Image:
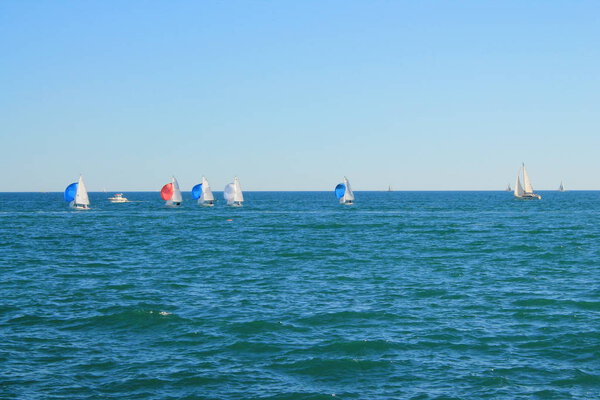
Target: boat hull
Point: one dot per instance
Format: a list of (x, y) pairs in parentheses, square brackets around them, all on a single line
[(80, 207), (529, 197)]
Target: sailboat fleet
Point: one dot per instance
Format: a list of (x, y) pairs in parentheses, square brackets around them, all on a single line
[(77, 196)]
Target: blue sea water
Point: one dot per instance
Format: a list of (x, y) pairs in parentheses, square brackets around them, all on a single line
[(405, 295)]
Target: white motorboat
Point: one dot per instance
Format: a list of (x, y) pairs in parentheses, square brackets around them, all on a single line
[(118, 198)]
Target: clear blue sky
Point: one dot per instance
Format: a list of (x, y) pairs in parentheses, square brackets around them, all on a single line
[(293, 95)]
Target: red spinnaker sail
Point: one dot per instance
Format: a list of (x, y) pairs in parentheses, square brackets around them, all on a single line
[(167, 191)]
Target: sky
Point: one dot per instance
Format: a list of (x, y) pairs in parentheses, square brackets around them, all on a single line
[(295, 95)]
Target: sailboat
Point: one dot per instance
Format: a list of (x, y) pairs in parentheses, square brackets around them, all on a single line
[(525, 191), (233, 193), (171, 193), (343, 192), (389, 188), (203, 194), (77, 196), (508, 188), (561, 188)]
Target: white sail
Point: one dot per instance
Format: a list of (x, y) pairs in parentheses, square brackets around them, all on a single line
[(526, 182), (238, 196), (81, 196), (228, 193), (176, 198), (233, 193), (207, 194), (348, 194), (518, 188)]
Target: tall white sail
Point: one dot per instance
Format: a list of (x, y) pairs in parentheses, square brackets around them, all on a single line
[(238, 196), (81, 196), (176, 198), (348, 195), (518, 188), (526, 182), (233, 193), (228, 193), (207, 194)]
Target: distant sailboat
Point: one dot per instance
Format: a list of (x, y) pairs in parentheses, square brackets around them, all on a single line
[(389, 188), (525, 191), (77, 196), (233, 193), (561, 188), (171, 193), (344, 193), (203, 194)]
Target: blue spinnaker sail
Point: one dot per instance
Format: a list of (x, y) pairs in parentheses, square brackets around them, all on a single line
[(70, 192), (197, 191), (340, 190)]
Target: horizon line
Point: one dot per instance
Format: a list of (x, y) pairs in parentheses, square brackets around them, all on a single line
[(319, 191)]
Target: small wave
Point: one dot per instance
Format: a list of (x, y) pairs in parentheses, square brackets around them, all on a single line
[(579, 378), (307, 396), (129, 319), (355, 347), (346, 317), (258, 326), (541, 302), (536, 302), (253, 347), (338, 367)]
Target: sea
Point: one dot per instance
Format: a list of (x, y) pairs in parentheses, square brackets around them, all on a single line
[(403, 295)]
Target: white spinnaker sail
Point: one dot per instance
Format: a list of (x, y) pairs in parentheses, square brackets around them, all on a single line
[(518, 187), (348, 194), (228, 193), (526, 182), (238, 196), (207, 194), (176, 198), (81, 196)]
